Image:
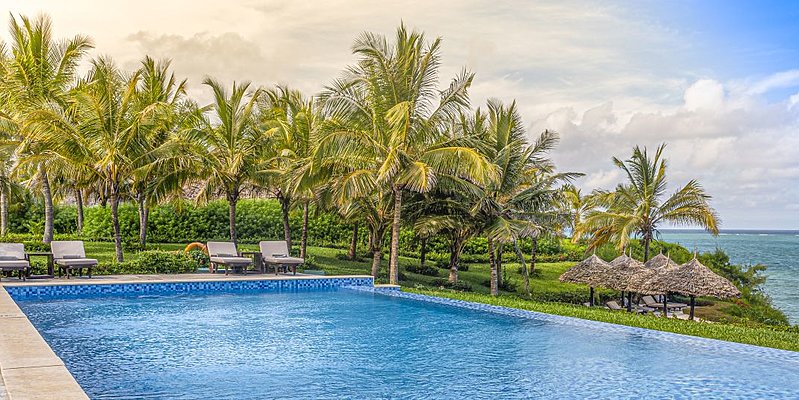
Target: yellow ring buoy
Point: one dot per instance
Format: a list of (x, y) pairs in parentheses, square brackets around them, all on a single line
[(196, 246)]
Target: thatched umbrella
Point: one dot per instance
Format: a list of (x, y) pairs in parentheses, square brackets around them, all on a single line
[(588, 272), (660, 261), (620, 277), (691, 279)]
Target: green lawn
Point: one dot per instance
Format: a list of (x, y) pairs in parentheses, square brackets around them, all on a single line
[(548, 295)]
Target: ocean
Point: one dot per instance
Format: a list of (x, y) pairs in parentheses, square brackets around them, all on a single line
[(778, 250)]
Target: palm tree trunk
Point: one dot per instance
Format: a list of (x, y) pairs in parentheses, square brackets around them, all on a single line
[(48, 205), (304, 237), (285, 204), (115, 222), (3, 211), (423, 252), (376, 256), (647, 240), (454, 256), (533, 255), (376, 246), (498, 261), (142, 219), (232, 199), (353, 252), (79, 202), (393, 270), (524, 267), (493, 265)]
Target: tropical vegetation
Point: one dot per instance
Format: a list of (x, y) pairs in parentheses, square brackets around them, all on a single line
[(382, 159)]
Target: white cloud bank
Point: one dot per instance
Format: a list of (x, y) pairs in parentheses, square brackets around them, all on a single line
[(606, 76), (744, 149)]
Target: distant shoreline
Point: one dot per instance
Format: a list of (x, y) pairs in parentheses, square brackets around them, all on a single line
[(737, 231)]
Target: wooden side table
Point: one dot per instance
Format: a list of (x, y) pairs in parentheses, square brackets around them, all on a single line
[(257, 262), (50, 265)]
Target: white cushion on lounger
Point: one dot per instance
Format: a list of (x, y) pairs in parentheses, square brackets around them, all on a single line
[(15, 250), (76, 262), (14, 264), (270, 248), (232, 260), (68, 249), (224, 249), (283, 260)]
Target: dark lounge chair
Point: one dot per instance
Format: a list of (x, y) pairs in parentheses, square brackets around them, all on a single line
[(13, 258), (650, 301)]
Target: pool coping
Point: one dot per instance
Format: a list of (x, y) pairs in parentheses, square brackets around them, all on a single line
[(32, 370)]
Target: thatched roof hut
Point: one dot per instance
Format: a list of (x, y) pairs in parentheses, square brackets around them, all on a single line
[(588, 272), (623, 269), (660, 261), (690, 279)]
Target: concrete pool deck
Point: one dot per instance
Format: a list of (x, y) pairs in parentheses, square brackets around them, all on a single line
[(29, 369)]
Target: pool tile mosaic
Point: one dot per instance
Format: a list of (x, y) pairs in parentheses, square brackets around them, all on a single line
[(164, 288)]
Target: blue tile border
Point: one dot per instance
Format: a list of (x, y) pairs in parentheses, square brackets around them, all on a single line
[(46, 292), (771, 354)]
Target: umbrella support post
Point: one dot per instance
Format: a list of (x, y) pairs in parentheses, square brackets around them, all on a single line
[(629, 301), (591, 296), (693, 304), (666, 305)]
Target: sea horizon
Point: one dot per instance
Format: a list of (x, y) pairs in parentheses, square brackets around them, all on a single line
[(734, 231)]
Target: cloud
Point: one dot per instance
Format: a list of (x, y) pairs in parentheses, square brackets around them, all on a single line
[(744, 149), (606, 75)]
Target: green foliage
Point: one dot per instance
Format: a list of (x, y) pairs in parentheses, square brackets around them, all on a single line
[(202, 259), (427, 270), (154, 262), (459, 286)]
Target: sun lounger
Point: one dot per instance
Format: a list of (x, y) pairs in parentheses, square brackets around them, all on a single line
[(649, 301), (226, 255), (614, 305), (276, 253), (69, 255), (13, 258)]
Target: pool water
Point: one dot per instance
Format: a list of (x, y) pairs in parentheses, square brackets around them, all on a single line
[(352, 344)]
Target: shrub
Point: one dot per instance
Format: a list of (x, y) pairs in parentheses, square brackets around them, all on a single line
[(154, 262), (427, 270), (202, 259), (459, 286)]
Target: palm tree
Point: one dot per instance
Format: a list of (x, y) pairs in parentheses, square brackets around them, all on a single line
[(637, 206), (98, 133), (159, 100), (394, 116), (294, 121), (576, 205), (38, 74), (229, 152), (7, 185), (516, 205)]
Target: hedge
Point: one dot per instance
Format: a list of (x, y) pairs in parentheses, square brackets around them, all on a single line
[(256, 220)]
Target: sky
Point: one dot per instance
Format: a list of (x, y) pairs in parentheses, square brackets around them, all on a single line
[(718, 81)]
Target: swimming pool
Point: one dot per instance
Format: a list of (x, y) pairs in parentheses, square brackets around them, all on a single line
[(346, 343)]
